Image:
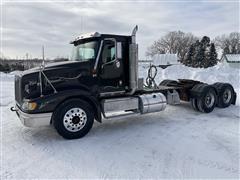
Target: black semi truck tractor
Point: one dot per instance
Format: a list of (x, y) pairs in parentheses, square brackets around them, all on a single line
[(101, 81)]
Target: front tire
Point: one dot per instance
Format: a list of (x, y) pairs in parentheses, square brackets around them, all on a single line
[(73, 119)]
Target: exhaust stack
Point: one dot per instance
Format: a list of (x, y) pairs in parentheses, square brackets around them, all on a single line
[(133, 63), (134, 34)]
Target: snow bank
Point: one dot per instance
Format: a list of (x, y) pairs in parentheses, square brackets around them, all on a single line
[(6, 89), (6, 76), (15, 72)]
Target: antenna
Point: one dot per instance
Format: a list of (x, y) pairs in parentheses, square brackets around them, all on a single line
[(43, 60), (81, 25)]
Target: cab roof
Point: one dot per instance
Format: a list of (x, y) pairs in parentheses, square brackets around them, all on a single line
[(94, 35)]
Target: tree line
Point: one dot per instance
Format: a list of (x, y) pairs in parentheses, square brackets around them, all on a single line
[(8, 65), (193, 51)]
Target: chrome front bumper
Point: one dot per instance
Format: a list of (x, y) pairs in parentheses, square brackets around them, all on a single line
[(33, 120)]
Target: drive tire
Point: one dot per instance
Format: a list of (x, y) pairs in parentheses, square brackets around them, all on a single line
[(207, 100), (225, 94), (194, 104), (73, 119)]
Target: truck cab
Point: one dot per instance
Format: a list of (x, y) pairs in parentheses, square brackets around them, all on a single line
[(108, 60)]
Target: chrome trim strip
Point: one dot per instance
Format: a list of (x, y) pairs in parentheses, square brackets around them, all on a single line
[(104, 94)]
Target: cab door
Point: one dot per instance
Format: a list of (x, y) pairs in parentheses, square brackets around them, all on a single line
[(111, 66)]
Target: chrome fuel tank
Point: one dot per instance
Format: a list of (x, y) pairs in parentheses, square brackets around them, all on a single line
[(152, 102)]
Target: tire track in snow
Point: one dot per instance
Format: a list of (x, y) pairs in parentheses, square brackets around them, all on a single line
[(43, 137), (214, 165), (223, 144)]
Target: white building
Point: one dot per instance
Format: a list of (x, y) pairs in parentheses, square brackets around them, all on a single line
[(165, 60), (233, 60)]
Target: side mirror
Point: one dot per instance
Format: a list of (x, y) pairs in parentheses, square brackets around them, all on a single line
[(119, 50)]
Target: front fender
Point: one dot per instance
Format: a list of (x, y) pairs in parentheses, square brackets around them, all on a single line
[(49, 103)]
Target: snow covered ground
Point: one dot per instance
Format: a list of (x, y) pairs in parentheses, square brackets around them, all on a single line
[(176, 143)]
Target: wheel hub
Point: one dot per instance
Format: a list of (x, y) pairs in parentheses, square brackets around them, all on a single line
[(74, 119), (209, 100), (227, 96)]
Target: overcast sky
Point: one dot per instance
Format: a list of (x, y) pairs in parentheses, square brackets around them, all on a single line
[(26, 26)]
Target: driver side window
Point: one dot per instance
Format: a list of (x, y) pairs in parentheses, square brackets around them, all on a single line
[(109, 51)]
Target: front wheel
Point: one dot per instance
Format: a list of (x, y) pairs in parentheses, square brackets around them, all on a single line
[(73, 119)]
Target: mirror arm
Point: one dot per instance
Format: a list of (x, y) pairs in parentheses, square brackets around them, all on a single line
[(110, 62)]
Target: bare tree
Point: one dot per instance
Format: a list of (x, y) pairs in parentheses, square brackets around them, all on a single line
[(175, 42), (229, 43)]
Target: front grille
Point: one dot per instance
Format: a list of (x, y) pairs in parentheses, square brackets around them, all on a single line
[(18, 89)]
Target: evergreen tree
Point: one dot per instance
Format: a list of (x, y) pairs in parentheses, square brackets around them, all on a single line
[(212, 56), (1, 68), (226, 50), (195, 59), (7, 68), (205, 63), (202, 53), (199, 54), (188, 61), (205, 40), (205, 50)]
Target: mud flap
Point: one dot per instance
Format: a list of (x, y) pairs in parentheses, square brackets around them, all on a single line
[(234, 98)]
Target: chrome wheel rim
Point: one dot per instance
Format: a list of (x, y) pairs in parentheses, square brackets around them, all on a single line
[(209, 100), (75, 119), (227, 95)]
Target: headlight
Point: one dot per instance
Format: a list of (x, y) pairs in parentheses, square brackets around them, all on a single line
[(29, 105)]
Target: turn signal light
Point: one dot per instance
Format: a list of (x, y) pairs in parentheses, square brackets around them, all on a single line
[(29, 106), (32, 106)]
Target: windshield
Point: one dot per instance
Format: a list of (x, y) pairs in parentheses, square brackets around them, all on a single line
[(84, 51)]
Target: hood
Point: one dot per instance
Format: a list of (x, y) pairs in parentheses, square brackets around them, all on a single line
[(60, 69), (61, 75), (52, 66)]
